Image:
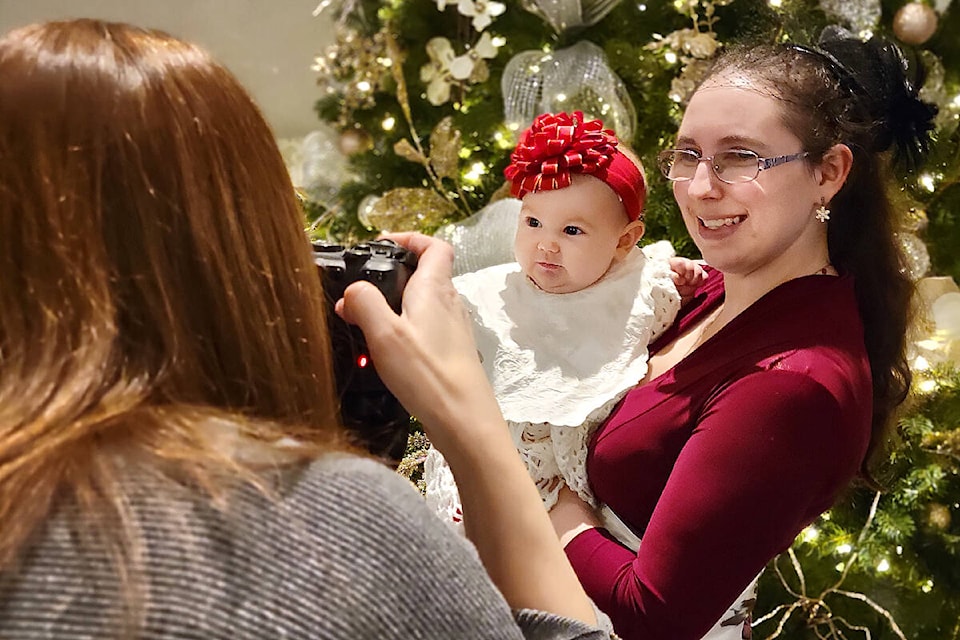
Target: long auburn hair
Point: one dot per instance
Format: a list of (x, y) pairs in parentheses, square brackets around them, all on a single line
[(156, 277), (858, 93)]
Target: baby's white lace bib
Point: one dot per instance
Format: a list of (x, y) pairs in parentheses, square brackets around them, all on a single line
[(559, 362)]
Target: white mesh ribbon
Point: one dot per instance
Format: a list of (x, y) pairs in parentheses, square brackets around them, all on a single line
[(485, 238), (570, 14), (577, 78)]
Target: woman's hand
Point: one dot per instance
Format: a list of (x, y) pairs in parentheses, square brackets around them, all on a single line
[(571, 515), (427, 355)]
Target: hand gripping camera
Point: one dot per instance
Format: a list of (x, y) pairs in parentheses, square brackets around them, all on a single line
[(366, 405)]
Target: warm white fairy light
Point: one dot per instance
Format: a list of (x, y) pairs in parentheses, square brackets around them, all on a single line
[(840, 567), (670, 57), (363, 86), (503, 141), (927, 386), (920, 363), (899, 550), (385, 61), (927, 586), (809, 534), (641, 7), (776, 4), (927, 182), (561, 97), (477, 171), (883, 566), (388, 123), (844, 549), (498, 41)]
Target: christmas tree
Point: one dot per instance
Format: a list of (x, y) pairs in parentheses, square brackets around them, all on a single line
[(423, 103)]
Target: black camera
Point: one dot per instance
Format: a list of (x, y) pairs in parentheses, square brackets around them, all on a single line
[(367, 407)]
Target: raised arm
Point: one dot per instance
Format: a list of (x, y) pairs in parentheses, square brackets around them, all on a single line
[(428, 359)]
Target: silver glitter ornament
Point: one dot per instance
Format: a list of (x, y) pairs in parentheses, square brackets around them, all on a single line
[(861, 16)]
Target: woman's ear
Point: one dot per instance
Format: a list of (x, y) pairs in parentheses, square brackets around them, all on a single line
[(833, 170), (629, 238)]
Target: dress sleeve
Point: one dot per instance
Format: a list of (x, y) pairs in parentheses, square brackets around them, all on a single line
[(770, 452)]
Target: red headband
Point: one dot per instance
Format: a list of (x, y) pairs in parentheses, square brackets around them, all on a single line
[(559, 145)]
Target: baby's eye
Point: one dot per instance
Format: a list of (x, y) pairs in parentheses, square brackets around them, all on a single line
[(571, 230), (531, 222)]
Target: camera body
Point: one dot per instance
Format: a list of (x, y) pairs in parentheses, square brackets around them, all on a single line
[(367, 408)]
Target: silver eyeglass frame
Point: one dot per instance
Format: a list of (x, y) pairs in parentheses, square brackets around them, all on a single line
[(665, 157)]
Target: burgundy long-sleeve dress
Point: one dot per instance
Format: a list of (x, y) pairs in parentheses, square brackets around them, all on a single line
[(721, 461)]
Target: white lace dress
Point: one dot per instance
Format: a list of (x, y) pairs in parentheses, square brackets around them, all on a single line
[(558, 363)]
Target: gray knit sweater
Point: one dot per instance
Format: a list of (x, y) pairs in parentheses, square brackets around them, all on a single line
[(347, 549)]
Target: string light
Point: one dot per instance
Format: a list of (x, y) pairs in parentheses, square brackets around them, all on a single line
[(503, 141), (388, 123), (477, 171), (809, 534)]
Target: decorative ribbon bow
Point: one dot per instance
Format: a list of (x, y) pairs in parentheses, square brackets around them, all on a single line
[(557, 145)]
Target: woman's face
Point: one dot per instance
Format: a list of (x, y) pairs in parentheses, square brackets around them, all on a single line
[(767, 226)]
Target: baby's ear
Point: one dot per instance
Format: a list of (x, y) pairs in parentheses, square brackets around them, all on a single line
[(629, 238)]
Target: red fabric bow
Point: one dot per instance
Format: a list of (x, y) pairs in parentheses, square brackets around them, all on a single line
[(557, 145)]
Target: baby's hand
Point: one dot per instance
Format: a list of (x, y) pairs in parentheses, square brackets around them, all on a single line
[(688, 276)]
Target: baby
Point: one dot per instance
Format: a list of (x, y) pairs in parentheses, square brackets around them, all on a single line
[(563, 331)]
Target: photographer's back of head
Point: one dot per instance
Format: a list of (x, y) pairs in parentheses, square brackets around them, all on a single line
[(155, 273)]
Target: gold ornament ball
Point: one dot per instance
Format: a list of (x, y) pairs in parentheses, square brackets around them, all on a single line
[(354, 141), (938, 516), (914, 23)]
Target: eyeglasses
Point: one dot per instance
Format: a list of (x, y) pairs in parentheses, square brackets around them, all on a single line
[(731, 167)]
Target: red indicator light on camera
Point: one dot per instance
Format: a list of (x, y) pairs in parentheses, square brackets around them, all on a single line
[(363, 360)]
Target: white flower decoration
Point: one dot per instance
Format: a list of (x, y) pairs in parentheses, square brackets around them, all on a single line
[(446, 69), (482, 11), (463, 67), (436, 74)]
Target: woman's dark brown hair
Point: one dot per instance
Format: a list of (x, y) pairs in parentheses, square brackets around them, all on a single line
[(859, 94), (155, 280)]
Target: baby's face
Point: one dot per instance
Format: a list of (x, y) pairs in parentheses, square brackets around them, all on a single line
[(567, 238)]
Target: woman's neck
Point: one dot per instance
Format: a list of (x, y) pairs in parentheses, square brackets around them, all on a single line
[(742, 290)]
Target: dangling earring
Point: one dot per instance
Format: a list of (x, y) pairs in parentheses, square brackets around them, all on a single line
[(823, 214)]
